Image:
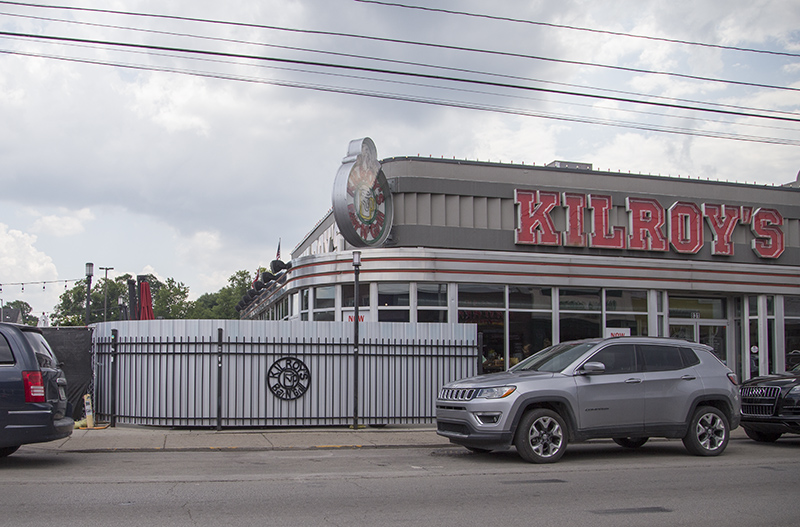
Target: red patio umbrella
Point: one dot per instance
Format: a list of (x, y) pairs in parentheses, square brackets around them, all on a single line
[(145, 302)]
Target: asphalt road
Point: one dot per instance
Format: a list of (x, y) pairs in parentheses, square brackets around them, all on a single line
[(598, 484)]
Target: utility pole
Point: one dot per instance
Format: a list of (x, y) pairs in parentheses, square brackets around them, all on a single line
[(105, 292)]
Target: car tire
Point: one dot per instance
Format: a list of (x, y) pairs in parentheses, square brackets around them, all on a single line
[(762, 437), (708, 432), (475, 450), (8, 450), (541, 436), (631, 442)]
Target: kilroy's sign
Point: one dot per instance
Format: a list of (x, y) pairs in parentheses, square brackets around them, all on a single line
[(362, 199), (647, 220)]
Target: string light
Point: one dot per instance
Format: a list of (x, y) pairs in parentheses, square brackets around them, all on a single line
[(42, 282)]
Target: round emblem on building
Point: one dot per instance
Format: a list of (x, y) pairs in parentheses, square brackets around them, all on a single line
[(288, 379), (362, 199)]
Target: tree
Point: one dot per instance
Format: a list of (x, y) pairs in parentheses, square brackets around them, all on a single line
[(170, 300), (24, 308), (222, 304)]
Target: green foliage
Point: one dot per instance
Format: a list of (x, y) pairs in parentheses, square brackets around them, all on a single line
[(170, 300), (24, 308)]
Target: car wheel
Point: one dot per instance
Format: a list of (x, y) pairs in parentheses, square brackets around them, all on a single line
[(631, 442), (8, 450), (541, 436), (708, 432), (762, 437)]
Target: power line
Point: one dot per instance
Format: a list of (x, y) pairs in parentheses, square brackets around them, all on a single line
[(390, 72), (577, 28), (410, 42), (395, 61), (438, 102)]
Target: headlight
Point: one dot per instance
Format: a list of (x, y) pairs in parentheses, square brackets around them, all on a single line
[(495, 393), (795, 390)]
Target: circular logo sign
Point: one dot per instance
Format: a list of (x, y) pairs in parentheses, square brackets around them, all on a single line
[(362, 200), (288, 379)]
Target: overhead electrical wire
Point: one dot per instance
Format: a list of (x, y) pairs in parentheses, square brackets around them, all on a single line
[(577, 28), (392, 61), (388, 72), (435, 102), (406, 42)]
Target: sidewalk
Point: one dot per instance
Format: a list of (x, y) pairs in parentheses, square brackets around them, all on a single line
[(127, 438), (146, 438)]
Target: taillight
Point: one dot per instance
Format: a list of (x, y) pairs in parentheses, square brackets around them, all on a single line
[(732, 378), (34, 386)]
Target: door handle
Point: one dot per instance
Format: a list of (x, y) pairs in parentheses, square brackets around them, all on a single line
[(633, 381), (688, 378)]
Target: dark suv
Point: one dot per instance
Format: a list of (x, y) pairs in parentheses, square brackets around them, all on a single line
[(771, 406), (33, 401), (625, 388)]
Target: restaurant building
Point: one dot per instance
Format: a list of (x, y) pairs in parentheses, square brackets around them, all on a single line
[(535, 255)]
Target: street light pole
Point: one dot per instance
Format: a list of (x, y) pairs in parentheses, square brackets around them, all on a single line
[(89, 273), (105, 291), (356, 270)]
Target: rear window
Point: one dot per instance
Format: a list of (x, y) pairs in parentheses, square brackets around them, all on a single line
[(6, 357), (44, 355), (690, 358)]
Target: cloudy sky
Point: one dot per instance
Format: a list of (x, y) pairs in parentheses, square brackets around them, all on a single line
[(185, 138)]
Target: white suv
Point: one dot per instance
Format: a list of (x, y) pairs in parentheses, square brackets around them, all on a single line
[(626, 388)]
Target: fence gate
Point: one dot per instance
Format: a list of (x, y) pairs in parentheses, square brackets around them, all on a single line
[(229, 373)]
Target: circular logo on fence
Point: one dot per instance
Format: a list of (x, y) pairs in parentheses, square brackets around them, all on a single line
[(288, 379)]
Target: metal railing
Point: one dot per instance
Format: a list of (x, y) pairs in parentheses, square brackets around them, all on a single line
[(267, 373)]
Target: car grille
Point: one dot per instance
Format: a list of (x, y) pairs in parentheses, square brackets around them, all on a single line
[(457, 394), (759, 400)]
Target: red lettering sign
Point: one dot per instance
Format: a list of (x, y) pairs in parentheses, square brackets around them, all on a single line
[(769, 241), (686, 227), (603, 235), (576, 205), (535, 224), (722, 219), (646, 218)]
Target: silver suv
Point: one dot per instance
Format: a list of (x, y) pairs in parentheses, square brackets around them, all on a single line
[(625, 388)]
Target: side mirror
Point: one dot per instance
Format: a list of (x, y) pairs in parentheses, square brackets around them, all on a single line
[(592, 367)]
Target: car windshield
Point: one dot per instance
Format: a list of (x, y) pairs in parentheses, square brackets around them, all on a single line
[(555, 358), (796, 368)]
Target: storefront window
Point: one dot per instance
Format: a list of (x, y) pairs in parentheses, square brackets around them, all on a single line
[(324, 297), (492, 332), (636, 323), (393, 315), (626, 300), (393, 295), (791, 306), (348, 294), (686, 307), (481, 295), (575, 326), (432, 315), (579, 300), (523, 297), (304, 300), (528, 332), (431, 295), (324, 316)]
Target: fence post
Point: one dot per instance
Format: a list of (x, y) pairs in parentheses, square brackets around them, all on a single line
[(219, 379), (113, 402)]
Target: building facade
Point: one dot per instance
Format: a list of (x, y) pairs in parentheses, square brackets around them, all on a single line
[(536, 255)]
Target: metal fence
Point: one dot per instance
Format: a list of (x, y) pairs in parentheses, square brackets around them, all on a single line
[(275, 373)]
